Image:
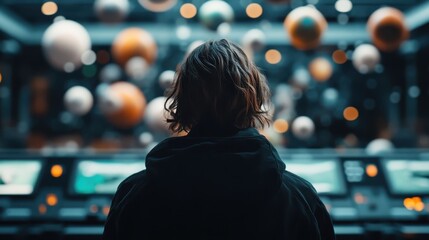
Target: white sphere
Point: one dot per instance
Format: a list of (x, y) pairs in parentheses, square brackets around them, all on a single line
[(378, 146), (111, 11), (215, 12), (155, 115), (64, 42), (166, 79), (254, 39), (108, 100), (137, 68), (158, 5), (146, 138), (303, 127), (78, 100), (283, 98), (110, 73), (365, 58)]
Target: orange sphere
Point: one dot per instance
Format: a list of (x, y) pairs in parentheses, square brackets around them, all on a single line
[(134, 42), (123, 103), (305, 26), (387, 28), (320, 69)]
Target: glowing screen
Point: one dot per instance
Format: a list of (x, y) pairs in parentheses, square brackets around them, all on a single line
[(19, 177), (324, 175), (407, 176), (103, 176)]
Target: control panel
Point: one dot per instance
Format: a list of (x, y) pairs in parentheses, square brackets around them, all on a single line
[(68, 197)]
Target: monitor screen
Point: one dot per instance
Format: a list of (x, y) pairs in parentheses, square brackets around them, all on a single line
[(407, 176), (103, 176), (325, 175), (19, 177)]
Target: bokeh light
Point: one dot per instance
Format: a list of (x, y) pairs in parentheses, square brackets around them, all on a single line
[(350, 113), (273, 56), (339, 56), (320, 69), (371, 170), (343, 6), (254, 10), (51, 199), (281, 125), (49, 8), (56, 171), (188, 10)]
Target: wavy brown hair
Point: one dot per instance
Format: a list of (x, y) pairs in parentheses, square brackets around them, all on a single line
[(218, 82)]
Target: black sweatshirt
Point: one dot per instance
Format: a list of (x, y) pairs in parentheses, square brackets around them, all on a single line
[(216, 186)]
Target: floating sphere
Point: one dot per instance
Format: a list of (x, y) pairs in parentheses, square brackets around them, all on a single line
[(78, 100), (166, 79), (123, 104), (365, 58), (146, 138), (378, 146), (137, 68), (387, 28), (158, 5), (303, 127), (63, 44), (301, 77), (305, 27), (156, 116), (283, 98), (111, 11), (320, 69), (215, 12), (134, 42), (254, 39), (110, 73), (330, 97)]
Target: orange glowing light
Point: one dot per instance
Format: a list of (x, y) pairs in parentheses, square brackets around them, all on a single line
[(188, 10), (360, 198), (419, 206), (339, 57), (320, 69), (56, 171), (42, 209), (49, 8), (93, 208), (409, 203), (371, 170), (273, 56), (106, 210), (281, 126), (1, 77), (350, 113), (254, 10), (51, 199)]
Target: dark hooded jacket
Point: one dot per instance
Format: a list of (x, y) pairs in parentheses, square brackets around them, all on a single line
[(214, 185)]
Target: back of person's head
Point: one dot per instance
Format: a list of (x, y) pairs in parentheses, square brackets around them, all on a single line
[(219, 84)]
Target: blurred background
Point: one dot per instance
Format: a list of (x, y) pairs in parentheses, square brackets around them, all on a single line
[(339, 78), (82, 93)]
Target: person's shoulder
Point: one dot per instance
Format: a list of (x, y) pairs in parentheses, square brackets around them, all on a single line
[(127, 186), (129, 182), (303, 186)]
